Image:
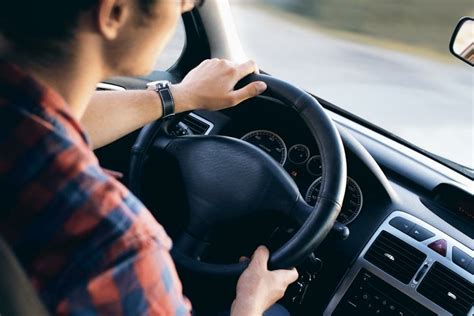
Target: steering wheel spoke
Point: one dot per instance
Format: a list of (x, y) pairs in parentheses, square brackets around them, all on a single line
[(301, 211), (190, 245), (192, 241)]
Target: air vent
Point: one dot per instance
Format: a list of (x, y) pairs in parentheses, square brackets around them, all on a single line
[(447, 289), (395, 257), (197, 124)]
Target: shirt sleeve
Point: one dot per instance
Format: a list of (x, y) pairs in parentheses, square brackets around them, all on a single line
[(142, 281), (126, 266)]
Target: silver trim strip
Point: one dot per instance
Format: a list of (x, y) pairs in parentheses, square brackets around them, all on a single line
[(409, 289), (200, 118), (110, 87)]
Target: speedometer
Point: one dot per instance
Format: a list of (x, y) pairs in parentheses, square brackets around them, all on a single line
[(352, 200), (269, 142)]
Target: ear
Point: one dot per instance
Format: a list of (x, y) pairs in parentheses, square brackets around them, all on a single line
[(111, 16), (188, 5)]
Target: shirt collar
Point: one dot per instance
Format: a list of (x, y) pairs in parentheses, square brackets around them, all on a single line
[(19, 87)]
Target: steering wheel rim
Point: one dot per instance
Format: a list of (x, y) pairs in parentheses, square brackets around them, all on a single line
[(316, 221)]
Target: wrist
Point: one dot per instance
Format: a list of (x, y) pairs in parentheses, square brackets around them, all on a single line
[(182, 100), (163, 89), (242, 307)]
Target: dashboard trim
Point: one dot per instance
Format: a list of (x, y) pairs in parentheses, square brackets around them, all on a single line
[(203, 120), (409, 289), (371, 140)]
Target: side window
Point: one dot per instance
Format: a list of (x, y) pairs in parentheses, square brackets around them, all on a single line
[(173, 50)]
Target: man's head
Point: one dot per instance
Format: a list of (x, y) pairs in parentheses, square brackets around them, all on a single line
[(128, 35)]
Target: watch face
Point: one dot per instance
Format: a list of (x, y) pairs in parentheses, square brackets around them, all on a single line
[(154, 85)]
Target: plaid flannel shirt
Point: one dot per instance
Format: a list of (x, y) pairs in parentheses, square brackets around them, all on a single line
[(87, 244)]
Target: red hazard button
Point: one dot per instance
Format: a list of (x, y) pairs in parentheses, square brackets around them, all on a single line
[(440, 246)]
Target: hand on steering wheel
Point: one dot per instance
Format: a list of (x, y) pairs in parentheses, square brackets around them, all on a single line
[(258, 288), (226, 178), (210, 86)]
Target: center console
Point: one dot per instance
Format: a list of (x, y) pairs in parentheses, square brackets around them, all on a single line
[(408, 268)]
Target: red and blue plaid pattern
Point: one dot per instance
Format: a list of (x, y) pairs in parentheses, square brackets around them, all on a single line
[(88, 245)]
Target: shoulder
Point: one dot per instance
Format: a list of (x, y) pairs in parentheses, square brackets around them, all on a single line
[(57, 195), (40, 156)]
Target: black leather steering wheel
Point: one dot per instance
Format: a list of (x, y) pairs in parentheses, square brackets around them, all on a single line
[(244, 180)]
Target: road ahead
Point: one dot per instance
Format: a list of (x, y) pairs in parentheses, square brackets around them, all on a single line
[(425, 101)]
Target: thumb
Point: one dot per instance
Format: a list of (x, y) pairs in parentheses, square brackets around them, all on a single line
[(287, 276), (249, 91), (260, 257)]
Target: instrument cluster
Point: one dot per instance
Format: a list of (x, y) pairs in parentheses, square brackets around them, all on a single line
[(305, 167)]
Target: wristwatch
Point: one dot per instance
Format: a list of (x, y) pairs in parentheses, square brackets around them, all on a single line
[(162, 88)]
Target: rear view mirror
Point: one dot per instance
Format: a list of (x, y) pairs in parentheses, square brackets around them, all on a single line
[(462, 42)]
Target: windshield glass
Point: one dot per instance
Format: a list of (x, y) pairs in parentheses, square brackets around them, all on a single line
[(383, 60)]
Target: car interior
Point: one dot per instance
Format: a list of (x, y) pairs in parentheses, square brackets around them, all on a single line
[(374, 225)]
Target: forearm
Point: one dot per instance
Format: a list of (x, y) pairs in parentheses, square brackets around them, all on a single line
[(113, 114)]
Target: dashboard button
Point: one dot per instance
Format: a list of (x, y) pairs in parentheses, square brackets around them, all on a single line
[(402, 224), (440, 246), (471, 267), (420, 233), (461, 258)]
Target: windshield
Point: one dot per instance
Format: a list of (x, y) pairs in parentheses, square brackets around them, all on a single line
[(383, 60)]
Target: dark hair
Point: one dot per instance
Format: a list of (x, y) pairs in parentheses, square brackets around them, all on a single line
[(39, 28)]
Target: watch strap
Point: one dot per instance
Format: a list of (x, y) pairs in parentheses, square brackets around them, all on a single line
[(167, 100), (162, 88)]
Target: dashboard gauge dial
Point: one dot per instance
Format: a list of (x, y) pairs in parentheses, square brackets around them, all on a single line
[(351, 206), (314, 166), (269, 142), (298, 154)]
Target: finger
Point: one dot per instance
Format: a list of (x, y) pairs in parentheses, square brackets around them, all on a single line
[(247, 68), (244, 259), (260, 257), (287, 276), (249, 91)]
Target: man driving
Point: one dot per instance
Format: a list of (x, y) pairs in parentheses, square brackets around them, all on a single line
[(87, 244)]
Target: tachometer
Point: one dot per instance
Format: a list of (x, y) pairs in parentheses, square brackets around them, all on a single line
[(352, 199), (269, 142)]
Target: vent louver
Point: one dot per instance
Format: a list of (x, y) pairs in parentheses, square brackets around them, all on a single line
[(395, 257), (447, 289), (196, 125)]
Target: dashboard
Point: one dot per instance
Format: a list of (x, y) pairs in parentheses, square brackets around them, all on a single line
[(410, 249), (407, 269), (384, 268)]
